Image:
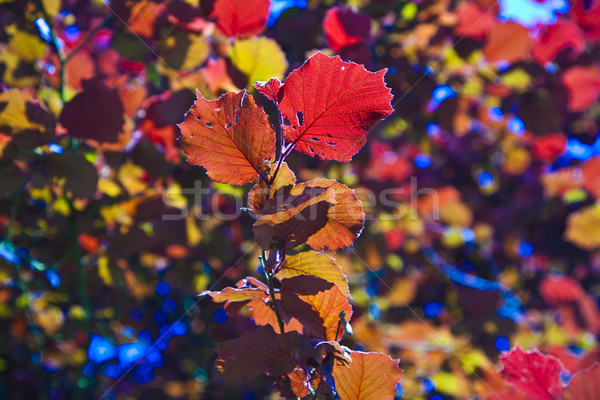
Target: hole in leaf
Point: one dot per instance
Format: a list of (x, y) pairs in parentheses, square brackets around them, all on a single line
[(228, 125), (300, 117), (198, 117), (218, 109), (228, 115), (329, 135), (287, 122), (330, 143), (236, 118), (312, 151), (315, 139), (209, 124)]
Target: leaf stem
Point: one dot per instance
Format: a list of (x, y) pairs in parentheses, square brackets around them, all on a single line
[(272, 292)]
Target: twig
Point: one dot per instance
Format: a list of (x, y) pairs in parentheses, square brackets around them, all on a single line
[(272, 292)]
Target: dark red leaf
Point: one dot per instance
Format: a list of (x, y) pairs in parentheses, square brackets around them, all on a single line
[(557, 37), (345, 27), (329, 106), (96, 113), (262, 351)]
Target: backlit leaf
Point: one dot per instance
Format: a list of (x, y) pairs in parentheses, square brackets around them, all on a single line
[(241, 18), (583, 227), (269, 89), (317, 304), (231, 137), (585, 385), (583, 86), (263, 314), (258, 58), (262, 351), (533, 373), (230, 294), (315, 264), (345, 219), (329, 106), (370, 376), (292, 215), (345, 27), (261, 191)]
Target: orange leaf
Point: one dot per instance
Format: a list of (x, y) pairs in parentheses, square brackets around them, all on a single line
[(345, 219), (294, 214), (231, 294), (583, 85), (585, 385), (231, 137), (262, 351), (317, 304), (262, 314), (261, 192), (315, 264), (508, 41), (370, 376)]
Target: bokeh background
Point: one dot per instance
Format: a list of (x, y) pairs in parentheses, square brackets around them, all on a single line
[(495, 111)]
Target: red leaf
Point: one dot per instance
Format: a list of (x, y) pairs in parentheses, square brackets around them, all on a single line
[(231, 137), (317, 304), (561, 289), (557, 37), (473, 20), (269, 89), (586, 15), (585, 385), (262, 351), (345, 27), (590, 171), (370, 376), (96, 113), (533, 373), (241, 18), (548, 147), (329, 106), (583, 85)]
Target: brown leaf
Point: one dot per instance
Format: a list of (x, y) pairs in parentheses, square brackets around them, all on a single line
[(262, 351)]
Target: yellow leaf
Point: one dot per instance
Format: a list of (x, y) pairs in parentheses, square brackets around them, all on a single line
[(14, 115), (317, 264), (130, 176), (29, 47), (52, 7), (583, 227), (196, 53), (109, 187), (259, 58), (104, 271)]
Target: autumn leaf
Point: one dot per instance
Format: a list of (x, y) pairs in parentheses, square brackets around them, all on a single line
[(370, 376), (262, 351), (96, 113), (555, 38), (230, 294), (230, 137), (508, 42), (317, 304), (533, 373), (315, 264), (329, 106), (583, 86), (261, 191), (270, 89), (345, 27), (292, 215), (583, 227), (585, 385), (241, 18), (262, 314), (345, 219), (259, 58)]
